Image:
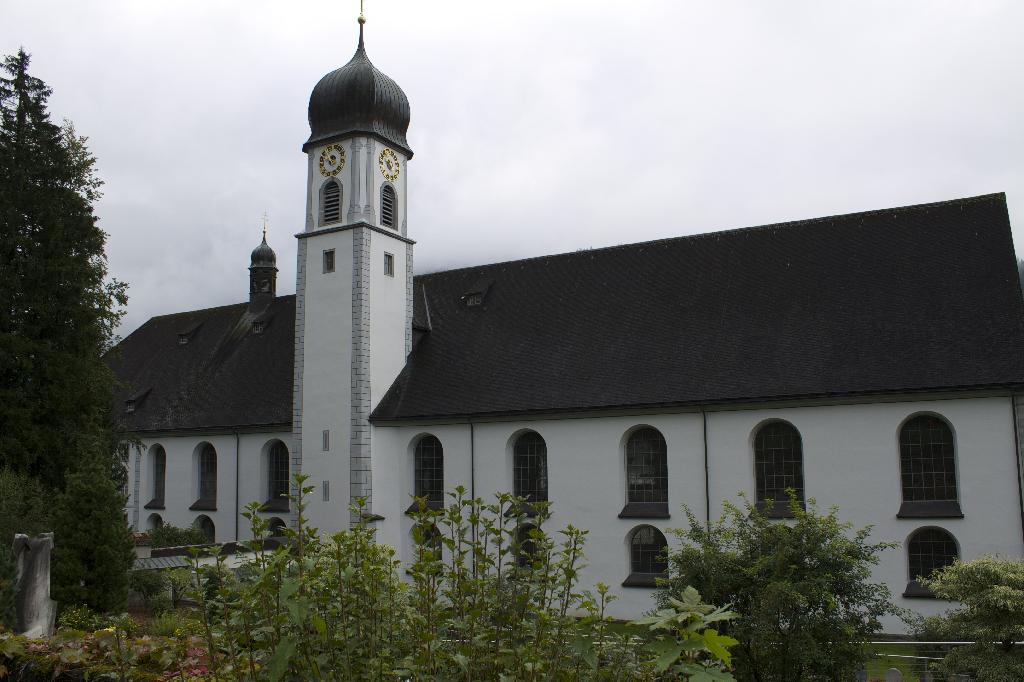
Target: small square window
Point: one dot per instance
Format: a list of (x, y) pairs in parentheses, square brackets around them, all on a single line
[(327, 440), (258, 326), (389, 265), (474, 299), (182, 339), (129, 406), (329, 260)]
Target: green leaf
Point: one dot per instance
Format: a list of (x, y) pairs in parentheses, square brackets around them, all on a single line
[(718, 645), (667, 652), (278, 664)]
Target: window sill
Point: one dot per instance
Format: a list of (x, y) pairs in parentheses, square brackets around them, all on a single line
[(154, 504), (930, 509), (279, 505), (916, 590), (204, 505), (431, 505), (778, 509), (645, 510), (643, 579)]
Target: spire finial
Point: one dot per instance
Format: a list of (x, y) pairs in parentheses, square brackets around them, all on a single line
[(362, 20), (264, 225)]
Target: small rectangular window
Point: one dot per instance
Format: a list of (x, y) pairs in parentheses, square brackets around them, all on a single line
[(258, 326), (389, 265), (182, 339), (327, 491), (329, 260), (129, 406), (327, 440), (474, 299)]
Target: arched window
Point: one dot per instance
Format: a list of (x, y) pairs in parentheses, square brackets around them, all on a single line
[(928, 550), (646, 475), (330, 202), (928, 469), (647, 559), (206, 527), (207, 469), (530, 467), (154, 521), (158, 473), (277, 477), (275, 527), (387, 206), (778, 466), (429, 472)]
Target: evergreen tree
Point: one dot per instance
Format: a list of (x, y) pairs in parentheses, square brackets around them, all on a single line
[(57, 319), (93, 549), (57, 311)]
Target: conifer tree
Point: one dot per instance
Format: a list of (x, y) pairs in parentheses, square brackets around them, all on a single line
[(93, 550), (57, 311)]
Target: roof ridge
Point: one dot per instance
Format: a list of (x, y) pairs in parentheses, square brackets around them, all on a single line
[(211, 308), (729, 231)]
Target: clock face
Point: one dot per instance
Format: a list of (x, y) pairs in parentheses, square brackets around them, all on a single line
[(332, 160), (389, 167)]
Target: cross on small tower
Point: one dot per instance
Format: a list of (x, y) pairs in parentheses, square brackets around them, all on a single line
[(362, 18), (264, 225)]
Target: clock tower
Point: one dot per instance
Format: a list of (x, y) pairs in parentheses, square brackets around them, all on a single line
[(353, 282)]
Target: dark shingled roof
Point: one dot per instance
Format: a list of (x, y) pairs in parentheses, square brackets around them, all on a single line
[(906, 299), (225, 376)]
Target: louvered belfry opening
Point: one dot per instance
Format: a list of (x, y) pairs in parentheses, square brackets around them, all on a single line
[(387, 206), (330, 202)]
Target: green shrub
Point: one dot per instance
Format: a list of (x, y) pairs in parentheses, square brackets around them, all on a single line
[(172, 536), (483, 601), (802, 586), (80, 617), (154, 588), (173, 623), (991, 615)]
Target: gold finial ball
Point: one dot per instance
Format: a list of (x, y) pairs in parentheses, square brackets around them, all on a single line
[(362, 19)]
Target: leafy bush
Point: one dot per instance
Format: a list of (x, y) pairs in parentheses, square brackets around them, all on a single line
[(803, 588), (80, 617), (483, 601), (154, 588), (172, 536), (991, 591), (172, 623)]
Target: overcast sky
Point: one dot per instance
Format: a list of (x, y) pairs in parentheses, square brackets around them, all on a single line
[(538, 126)]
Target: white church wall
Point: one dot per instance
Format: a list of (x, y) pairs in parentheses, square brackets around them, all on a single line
[(181, 482), (851, 459)]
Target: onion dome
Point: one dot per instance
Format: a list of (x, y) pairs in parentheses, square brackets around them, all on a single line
[(358, 98), (263, 256)]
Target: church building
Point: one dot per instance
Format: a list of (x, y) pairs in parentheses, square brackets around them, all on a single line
[(872, 361)]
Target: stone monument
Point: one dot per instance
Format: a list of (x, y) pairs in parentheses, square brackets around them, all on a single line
[(34, 609)]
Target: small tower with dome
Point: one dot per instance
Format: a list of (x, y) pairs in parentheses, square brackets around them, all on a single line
[(262, 274), (353, 289)]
